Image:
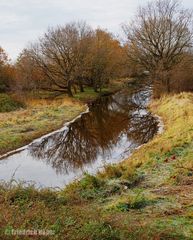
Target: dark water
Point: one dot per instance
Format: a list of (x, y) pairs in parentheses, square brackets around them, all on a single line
[(114, 126)]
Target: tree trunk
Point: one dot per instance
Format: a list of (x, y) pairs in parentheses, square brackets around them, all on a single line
[(69, 87), (75, 89), (81, 87), (168, 84), (96, 89)]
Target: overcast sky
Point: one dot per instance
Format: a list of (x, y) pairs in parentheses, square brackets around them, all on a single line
[(23, 21)]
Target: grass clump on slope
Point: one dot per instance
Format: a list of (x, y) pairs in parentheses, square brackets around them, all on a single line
[(8, 104)]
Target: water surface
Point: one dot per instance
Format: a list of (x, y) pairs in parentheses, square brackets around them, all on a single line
[(114, 126)]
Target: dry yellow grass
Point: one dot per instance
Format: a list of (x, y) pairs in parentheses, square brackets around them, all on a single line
[(176, 112), (39, 117), (149, 196)]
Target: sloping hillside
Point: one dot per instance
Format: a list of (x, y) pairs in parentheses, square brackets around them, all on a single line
[(149, 196)]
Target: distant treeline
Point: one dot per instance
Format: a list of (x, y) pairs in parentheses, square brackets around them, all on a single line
[(67, 58)]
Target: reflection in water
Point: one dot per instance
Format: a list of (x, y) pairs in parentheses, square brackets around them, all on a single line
[(114, 126), (97, 134)]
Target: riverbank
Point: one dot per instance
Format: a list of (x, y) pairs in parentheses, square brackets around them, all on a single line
[(39, 117), (40, 114), (147, 196)]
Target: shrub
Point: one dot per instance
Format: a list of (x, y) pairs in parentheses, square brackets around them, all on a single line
[(136, 201), (7, 104), (113, 171), (90, 182)]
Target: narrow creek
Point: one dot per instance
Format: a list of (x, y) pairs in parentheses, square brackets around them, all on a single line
[(114, 126)]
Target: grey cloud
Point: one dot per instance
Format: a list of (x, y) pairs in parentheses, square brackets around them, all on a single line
[(25, 20)]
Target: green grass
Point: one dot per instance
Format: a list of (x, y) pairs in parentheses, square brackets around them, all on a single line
[(22, 125), (89, 94), (148, 196), (7, 104)]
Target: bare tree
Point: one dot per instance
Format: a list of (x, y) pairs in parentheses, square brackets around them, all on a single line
[(77, 55), (159, 36), (58, 54)]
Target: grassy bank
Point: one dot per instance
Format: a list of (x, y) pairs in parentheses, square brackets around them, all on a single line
[(149, 196), (24, 118), (89, 94), (36, 119)]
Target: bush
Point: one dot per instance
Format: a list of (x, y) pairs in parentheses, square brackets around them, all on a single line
[(113, 171), (136, 201), (7, 104), (90, 182)]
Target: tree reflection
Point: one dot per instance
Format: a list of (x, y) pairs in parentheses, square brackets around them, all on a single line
[(97, 133)]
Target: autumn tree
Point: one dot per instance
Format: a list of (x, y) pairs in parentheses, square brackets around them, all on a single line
[(106, 58), (73, 55), (28, 74), (82, 69), (6, 71), (158, 38), (182, 74), (58, 54)]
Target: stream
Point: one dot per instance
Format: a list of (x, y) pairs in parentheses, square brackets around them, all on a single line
[(108, 133)]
